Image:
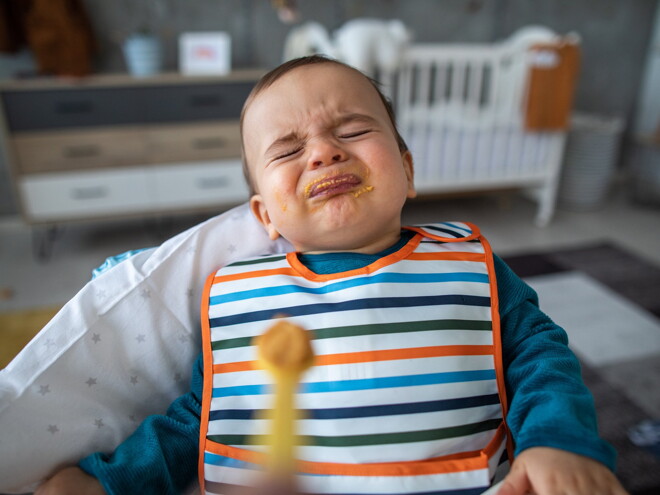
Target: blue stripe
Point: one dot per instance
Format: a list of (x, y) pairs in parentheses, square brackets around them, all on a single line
[(454, 226), (357, 304), (383, 278), (368, 411), (463, 491), (241, 390), (435, 228), (221, 460), (232, 414), (397, 409), (364, 383), (219, 488)]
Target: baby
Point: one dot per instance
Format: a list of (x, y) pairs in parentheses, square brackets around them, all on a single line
[(435, 368)]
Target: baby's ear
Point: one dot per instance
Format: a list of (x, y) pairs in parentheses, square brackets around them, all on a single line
[(410, 173), (259, 210)]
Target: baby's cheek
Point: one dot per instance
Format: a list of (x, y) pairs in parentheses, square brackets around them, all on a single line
[(281, 200)]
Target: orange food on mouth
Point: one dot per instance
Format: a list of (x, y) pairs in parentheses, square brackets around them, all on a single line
[(332, 185)]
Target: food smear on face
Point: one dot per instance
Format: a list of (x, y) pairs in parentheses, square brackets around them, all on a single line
[(328, 185), (281, 202), (362, 190)]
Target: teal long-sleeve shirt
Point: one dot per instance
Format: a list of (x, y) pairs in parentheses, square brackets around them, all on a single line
[(548, 403)]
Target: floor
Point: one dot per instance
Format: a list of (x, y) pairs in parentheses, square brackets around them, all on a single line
[(505, 218)]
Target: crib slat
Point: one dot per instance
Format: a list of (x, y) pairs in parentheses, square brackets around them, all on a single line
[(475, 88), (457, 83), (423, 85), (440, 84)]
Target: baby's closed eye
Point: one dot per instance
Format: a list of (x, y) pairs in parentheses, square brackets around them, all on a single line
[(352, 134), (288, 153)]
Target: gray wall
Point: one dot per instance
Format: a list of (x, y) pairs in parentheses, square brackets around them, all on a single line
[(615, 34)]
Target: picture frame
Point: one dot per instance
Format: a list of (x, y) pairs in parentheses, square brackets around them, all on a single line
[(205, 53)]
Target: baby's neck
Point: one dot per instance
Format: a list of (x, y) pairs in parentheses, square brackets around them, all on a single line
[(371, 247)]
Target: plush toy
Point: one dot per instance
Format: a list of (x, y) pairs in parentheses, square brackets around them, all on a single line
[(366, 44)]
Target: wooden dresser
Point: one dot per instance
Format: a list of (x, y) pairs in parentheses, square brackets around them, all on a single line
[(113, 145)]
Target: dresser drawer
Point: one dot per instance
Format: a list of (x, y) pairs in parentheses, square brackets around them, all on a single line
[(61, 151), (195, 102), (194, 142), (200, 184), (68, 108), (77, 195)]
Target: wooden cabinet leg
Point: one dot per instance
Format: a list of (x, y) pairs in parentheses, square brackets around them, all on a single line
[(43, 241)]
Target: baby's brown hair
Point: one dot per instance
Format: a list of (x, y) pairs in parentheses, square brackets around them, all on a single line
[(268, 79)]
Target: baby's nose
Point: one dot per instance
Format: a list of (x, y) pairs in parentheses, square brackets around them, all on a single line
[(326, 153)]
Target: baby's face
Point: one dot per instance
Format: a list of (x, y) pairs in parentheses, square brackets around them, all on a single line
[(325, 162)]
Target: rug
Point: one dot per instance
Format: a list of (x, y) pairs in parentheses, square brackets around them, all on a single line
[(18, 327), (620, 405)]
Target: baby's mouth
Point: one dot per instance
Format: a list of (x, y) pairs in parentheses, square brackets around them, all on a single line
[(326, 186)]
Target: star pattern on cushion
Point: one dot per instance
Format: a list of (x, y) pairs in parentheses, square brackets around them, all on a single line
[(106, 330)]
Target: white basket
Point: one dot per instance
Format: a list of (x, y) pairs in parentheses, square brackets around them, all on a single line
[(592, 150)]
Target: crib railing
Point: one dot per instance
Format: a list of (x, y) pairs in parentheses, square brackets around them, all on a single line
[(461, 110)]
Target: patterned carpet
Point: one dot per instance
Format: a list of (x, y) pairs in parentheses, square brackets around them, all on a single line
[(619, 408)]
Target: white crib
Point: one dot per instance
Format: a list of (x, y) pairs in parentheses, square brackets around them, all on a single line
[(463, 111)]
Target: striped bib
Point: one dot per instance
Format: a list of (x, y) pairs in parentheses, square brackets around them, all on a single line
[(406, 394)]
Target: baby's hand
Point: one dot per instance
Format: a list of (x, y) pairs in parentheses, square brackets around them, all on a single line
[(71, 481), (548, 471)]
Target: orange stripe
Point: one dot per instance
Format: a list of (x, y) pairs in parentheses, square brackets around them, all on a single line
[(207, 384), (259, 273), (372, 356), (497, 339), (458, 256), (464, 461), (376, 265), (429, 233)]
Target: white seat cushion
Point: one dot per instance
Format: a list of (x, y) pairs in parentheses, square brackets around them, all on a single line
[(121, 349)]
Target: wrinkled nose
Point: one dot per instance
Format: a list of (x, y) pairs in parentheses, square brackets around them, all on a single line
[(325, 153)]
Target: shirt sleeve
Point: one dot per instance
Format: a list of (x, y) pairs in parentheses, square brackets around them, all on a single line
[(161, 456), (549, 404)]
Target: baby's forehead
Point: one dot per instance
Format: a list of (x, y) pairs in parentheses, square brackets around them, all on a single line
[(306, 88)]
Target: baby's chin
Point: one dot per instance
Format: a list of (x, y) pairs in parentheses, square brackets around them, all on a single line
[(351, 237)]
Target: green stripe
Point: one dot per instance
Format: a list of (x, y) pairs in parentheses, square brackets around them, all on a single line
[(401, 327), (372, 439), (374, 329), (258, 260)]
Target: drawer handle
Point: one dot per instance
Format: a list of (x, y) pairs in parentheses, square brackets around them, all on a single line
[(208, 143), (93, 192), (74, 107), (212, 182), (82, 151), (208, 100)]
